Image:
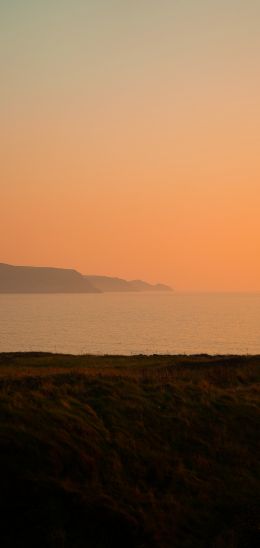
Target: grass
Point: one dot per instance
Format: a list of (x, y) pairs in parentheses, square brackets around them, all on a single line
[(158, 452)]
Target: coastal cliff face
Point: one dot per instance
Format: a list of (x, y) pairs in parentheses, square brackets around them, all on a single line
[(25, 279), (28, 279)]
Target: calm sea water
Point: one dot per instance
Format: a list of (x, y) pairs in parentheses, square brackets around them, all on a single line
[(131, 323)]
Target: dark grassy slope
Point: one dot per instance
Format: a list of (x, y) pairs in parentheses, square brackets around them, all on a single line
[(129, 452)]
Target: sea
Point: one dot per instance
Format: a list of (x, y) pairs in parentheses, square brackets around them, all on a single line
[(131, 323)]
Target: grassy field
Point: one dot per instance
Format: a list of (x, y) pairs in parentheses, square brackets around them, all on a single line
[(157, 452)]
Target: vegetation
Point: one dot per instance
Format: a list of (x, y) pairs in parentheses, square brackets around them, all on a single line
[(157, 452)]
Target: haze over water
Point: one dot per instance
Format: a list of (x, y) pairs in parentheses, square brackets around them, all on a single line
[(141, 323)]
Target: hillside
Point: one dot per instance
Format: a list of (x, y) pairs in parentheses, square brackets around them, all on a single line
[(26, 279), (145, 452), (108, 284)]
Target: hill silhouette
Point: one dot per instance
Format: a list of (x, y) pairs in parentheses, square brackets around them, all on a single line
[(27, 279), (30, 279), (109, 284)]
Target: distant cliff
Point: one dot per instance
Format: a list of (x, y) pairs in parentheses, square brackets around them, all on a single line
[(107, 284), (31, 279), (26, 279)]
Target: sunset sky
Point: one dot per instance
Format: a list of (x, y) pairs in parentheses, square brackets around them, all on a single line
[(130, 139)]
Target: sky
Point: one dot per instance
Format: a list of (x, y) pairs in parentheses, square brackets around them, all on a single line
[(130, 139)]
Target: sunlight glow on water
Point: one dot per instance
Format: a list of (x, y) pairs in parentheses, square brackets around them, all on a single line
[(139, 323)]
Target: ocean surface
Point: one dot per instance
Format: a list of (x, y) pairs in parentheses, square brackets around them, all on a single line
[(136, 323)]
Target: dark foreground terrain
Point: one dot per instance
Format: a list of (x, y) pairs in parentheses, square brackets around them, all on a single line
[(129, 452)]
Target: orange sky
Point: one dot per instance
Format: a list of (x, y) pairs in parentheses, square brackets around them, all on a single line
[(130, 141)]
